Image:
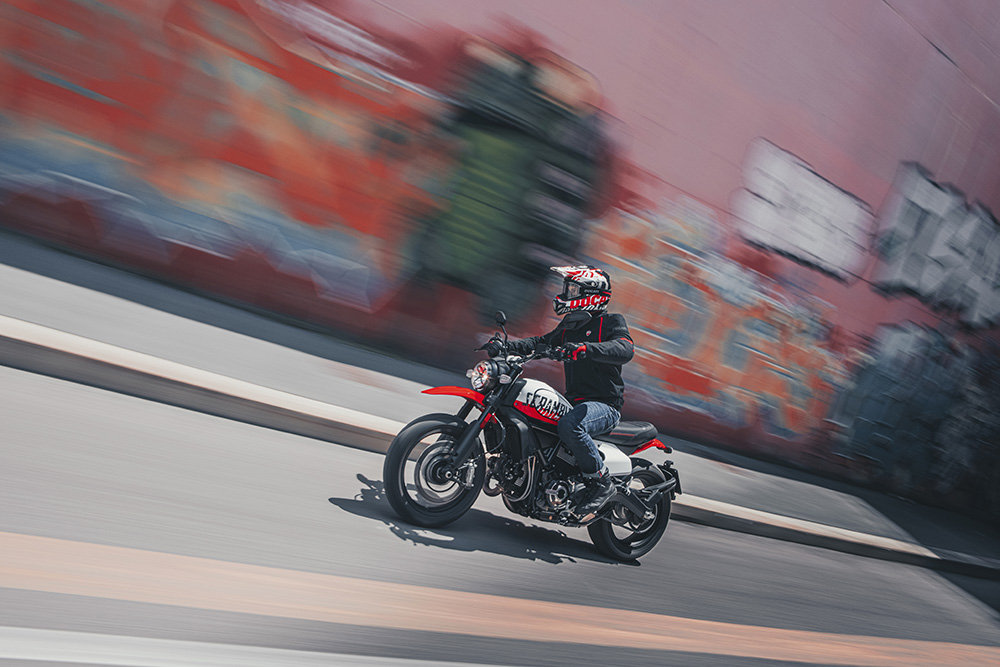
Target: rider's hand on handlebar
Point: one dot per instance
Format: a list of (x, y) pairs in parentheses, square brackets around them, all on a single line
[(492, 347), (573, 352)]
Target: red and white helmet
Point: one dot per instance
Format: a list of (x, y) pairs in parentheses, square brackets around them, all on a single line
[(584, 288)]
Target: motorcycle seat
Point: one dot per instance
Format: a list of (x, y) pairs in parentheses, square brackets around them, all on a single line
[(630, 434)]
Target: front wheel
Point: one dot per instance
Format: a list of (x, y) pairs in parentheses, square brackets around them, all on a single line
[(624, 536), (418, 482)]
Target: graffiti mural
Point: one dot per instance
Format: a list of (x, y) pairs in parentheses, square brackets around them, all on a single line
[(220, 154), (318, 161), (923, 409), (712, 335), (936, 246), (908, 382), (532, 155), (967, 444)]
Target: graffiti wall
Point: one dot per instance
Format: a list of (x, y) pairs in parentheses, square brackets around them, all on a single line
[(806, 276)]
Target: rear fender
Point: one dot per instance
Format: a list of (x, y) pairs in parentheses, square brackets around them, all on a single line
[(668, 470), (655, 442)]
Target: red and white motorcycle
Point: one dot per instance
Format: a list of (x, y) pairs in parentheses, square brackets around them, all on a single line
[(437, 465)]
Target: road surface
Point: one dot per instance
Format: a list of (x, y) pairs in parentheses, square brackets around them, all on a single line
[(138, 533)]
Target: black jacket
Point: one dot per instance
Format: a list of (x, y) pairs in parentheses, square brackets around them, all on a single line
[(598, 377)]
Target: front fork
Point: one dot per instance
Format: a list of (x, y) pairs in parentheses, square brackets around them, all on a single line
[(469, 437), (468, 440)]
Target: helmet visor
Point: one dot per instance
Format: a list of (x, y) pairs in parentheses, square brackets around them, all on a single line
[(571, 291)]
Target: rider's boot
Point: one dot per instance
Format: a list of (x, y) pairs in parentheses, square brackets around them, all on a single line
[(598, 491)]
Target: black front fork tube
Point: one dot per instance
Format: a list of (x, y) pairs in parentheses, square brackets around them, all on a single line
[(470, 436), (466, 409)]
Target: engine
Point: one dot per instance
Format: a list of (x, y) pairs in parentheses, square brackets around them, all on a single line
[(557, 485), (548, 498), (557, 493)]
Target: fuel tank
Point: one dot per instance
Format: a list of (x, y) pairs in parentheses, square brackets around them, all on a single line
[(540, 402)]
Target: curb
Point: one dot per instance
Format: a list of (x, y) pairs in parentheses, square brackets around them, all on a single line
[(755, 522), (38, 349)]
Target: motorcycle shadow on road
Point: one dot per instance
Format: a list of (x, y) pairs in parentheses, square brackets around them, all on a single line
[(478, 530)]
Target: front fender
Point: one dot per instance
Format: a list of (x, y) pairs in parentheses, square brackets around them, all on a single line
[(461, 392), (440, 417)]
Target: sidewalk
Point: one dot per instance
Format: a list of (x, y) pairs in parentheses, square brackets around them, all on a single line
[(71, 318)]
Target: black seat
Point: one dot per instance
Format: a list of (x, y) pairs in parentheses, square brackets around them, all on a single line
[(630, 434)]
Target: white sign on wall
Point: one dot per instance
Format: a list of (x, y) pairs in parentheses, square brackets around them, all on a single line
[(787, 206)]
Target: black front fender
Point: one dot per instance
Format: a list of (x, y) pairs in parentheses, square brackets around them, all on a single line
[(438, 417), (466, 434)]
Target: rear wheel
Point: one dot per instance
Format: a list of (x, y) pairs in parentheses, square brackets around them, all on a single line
[(419, 483), (625, 536)]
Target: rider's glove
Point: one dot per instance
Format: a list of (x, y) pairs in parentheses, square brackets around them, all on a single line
[(492, 347), (574, 352)]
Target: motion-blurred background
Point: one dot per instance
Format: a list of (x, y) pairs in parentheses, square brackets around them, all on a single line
[(795, 199)]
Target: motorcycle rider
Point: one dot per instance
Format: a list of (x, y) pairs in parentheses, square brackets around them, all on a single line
[(594, 344)]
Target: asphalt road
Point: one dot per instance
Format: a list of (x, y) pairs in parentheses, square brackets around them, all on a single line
[(151, 524)]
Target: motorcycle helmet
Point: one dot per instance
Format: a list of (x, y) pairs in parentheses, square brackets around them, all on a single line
[(585, 288)]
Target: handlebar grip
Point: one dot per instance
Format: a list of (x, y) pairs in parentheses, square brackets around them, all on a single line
[(557, 353)]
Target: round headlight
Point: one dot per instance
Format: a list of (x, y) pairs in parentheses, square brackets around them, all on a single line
[(483, 376)]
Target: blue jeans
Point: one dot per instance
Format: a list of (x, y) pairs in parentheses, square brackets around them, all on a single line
[(576, 427)]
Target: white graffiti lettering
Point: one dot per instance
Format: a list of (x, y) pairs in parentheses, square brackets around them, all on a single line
[(787, 206), (933, 244)]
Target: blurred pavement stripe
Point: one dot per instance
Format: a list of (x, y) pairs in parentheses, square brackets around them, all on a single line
[(121, 573), (84, 648)]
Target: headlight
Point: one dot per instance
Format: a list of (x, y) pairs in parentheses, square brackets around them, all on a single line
[(483, 376)]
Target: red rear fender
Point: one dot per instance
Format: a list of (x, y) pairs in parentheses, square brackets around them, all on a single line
[(649, 445)]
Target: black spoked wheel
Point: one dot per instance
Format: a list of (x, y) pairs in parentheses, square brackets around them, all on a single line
[(625, 536), (419, 484)]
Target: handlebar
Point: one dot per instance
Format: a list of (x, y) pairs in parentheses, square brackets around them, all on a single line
[(547, 353)]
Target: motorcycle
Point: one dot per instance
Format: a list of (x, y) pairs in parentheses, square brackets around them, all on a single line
[(437, 464)]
